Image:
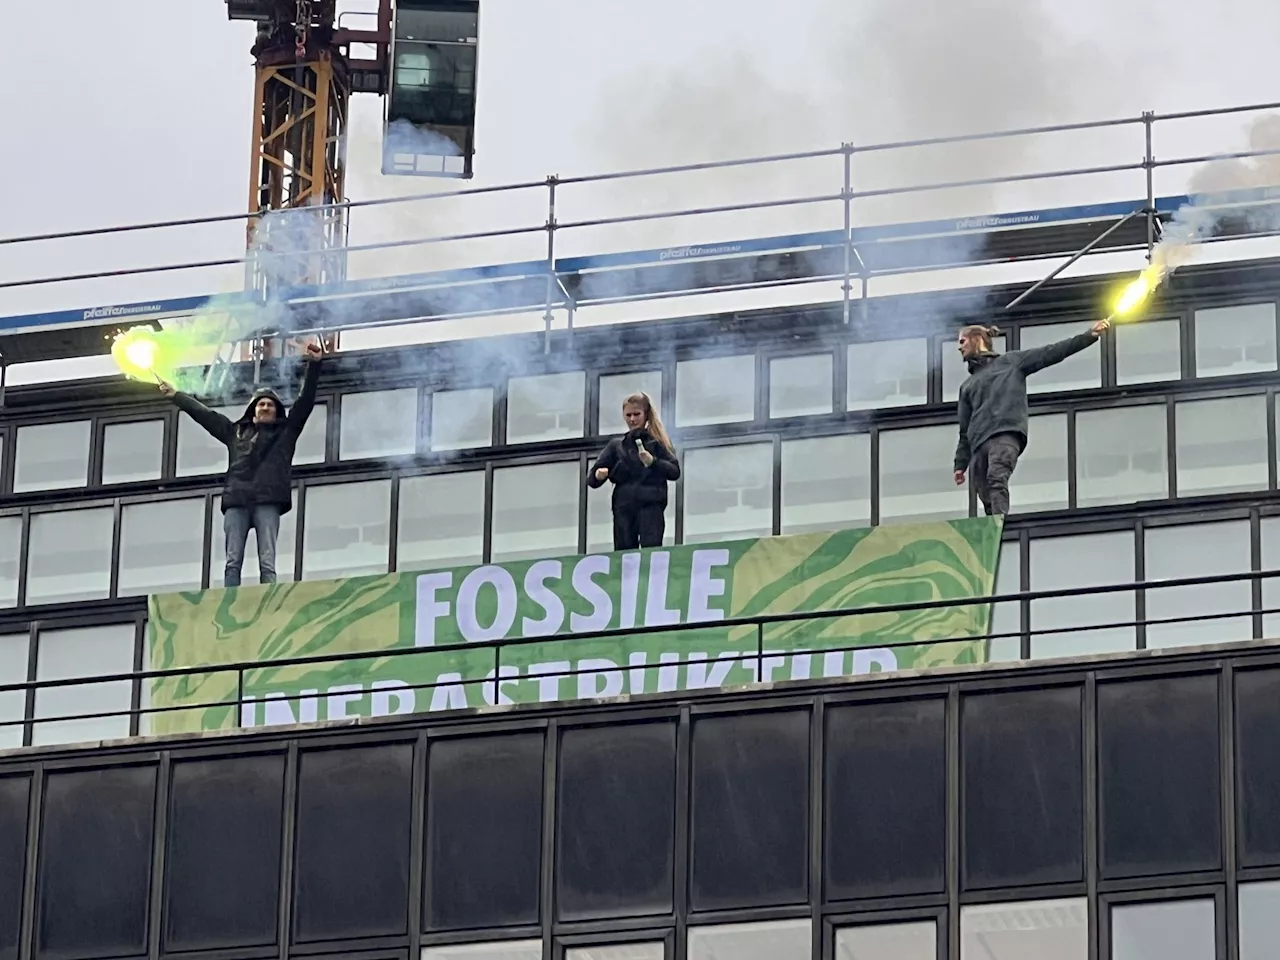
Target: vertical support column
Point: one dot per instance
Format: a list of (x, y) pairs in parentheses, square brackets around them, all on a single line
[(1149, 163), (847, 195), (551, 259), (3, 368)]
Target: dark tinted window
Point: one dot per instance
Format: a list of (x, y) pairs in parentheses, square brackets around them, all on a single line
[(750, 810), (885, 799), (14, 794), (223, 867), (1258, 766), (484, 831), (1022, 775), (1158, 776), (352, 858), (616, 820), (95, 862)]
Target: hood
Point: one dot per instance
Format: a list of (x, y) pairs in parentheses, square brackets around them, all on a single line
[(247, 417), (981, 360)]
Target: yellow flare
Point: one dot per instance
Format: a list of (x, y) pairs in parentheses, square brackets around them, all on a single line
[(1136, 293), (138, 353), (141, 353)]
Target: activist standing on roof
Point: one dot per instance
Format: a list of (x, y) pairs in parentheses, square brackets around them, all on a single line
[(258, 490), (993, 407), (640, 463)]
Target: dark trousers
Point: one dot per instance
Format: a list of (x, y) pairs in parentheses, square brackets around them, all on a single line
[(992, 466), (265, 521), (641, 525)]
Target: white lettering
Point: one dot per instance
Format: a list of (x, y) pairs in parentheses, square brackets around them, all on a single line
[(535, 585), (630, 589), (668, 672), (278, 708), (801, 664), (761, 670), (703, 586), (705, 675), (248, 713), (593, 593), (449, 693), (504, 586), (656, 613), (882, 657), (594, 671), (635, 676), (429, 608), (381, 697), (833, 663), (549, 675), (335, 706), (495, 694)]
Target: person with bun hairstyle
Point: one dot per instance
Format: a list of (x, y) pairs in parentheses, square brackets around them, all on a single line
[(993, 407), (640, 463)]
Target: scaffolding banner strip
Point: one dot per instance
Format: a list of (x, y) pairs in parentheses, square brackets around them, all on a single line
[(434, 618)]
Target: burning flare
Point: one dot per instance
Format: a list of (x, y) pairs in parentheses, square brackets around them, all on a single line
[(138, 351)]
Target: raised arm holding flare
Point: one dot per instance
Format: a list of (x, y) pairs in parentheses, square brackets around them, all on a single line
[(640, 464), (993, 407), (258, 489)]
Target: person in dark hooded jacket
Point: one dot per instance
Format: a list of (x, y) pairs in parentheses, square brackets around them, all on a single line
[(993, 407), (258, 489), (640, 463)]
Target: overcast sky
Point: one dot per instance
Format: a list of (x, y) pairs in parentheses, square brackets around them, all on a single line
[(142, 111)]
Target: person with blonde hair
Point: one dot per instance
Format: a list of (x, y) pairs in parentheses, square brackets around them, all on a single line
[(993, 407), (640, 464)]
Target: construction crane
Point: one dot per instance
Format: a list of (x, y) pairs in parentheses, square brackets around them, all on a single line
[(423, 65)]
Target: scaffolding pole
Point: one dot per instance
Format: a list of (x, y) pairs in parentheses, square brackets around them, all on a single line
[(551, 261)]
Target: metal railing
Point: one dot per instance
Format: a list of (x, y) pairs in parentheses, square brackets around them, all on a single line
[(846, 194), (755, 654)]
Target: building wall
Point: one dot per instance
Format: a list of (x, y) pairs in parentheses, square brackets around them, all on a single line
[(1123, 811)]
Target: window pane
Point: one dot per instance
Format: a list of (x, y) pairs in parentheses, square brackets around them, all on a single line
[(160, 546), (1007, 617), (286, 548), (52, 456), (779, 940), (954, 369), (614, 389), (800, 386), (381, 423), (720, 390), (1269, 534), (1222, 445), (1122, 455), (70, 556), (1148, 351), (535, 511), (441, 521), (1259, 920), (1198, 550), (10, 554), (86, 652), (888, 941), (887, 373), (461, 419), (1081, 371), (501, 950), (198, 453), (132, 451), (348, 528), (1175, 930), (915, 476), (14, 648), (311, 443), (548, 407), (826, 483), (1090, 560), (1017, 931), (600, 517), (728, 492), (1040, 481), (622, 951), (1235, 340)]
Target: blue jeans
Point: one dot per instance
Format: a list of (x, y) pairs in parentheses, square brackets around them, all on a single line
[(265, 521)]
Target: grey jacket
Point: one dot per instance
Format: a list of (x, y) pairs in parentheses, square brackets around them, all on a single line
[(994, 398)]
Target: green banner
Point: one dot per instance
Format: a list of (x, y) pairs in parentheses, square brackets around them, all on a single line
[(441, 614)]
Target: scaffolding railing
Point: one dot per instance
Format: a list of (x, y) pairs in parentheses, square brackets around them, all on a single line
[(853, 254)]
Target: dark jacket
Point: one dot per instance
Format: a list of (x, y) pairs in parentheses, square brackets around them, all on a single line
[(636, 485), (259, 455), (994, 398)]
